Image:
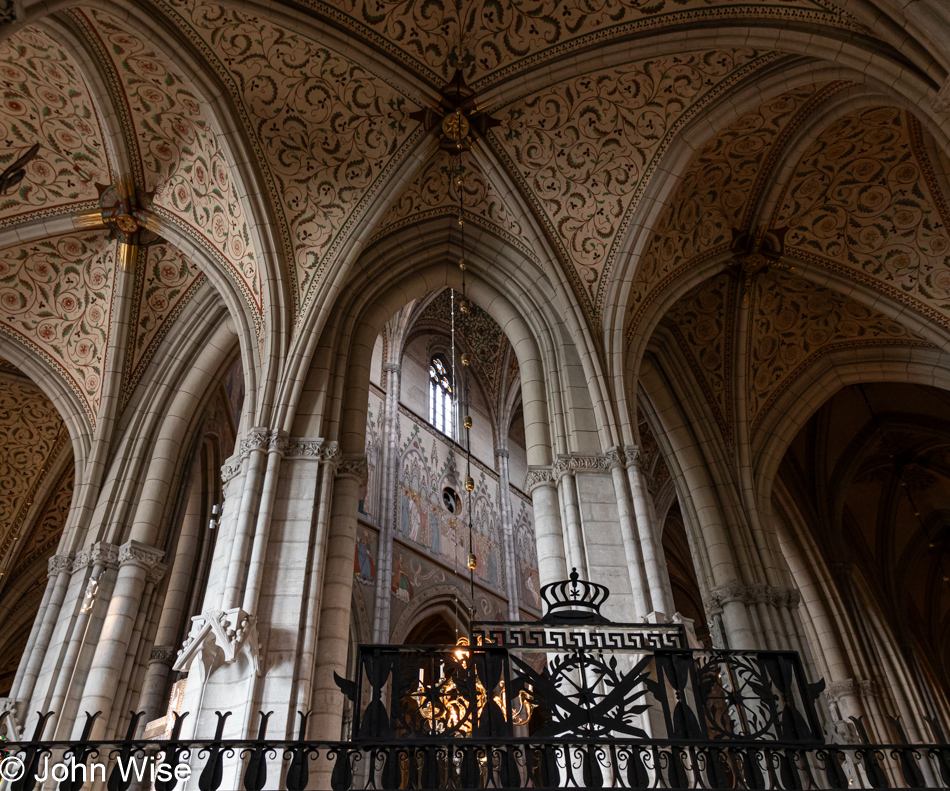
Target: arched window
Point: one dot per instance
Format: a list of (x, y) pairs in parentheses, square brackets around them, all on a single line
[(440, 396)]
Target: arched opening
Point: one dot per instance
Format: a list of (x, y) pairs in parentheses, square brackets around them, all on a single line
[(864, 485), (37, 475)]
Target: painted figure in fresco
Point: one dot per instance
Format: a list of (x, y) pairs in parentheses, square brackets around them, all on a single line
[(401, 585), (364, 566), (416, 518), (532, 585)]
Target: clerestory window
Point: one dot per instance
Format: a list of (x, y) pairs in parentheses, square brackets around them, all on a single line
[(440, 396)]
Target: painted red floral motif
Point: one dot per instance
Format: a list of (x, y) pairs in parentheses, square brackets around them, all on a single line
[(56, 296), (47, 102)]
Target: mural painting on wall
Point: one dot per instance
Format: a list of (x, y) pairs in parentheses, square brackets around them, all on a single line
[(417, 580), (365, 557), (431, 519), (364, 564), (527, 557), (367, 500)]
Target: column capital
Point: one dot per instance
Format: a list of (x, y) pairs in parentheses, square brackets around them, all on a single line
[(257, 439), (155, 574), (162, 655), (353, 465), (538, 476), (136, 553), (393, 368), (842, 689), (58, 563), (304, 448), (501, 453), (100, 552), (615, 457), (632, 455), (573, 463)]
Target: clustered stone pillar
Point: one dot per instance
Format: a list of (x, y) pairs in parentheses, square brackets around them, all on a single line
[(59, 576), (549, 535), (152, 699), (570, 511), (135, 561), (334, 634), (658, 578), (388, 500), (508, 533)]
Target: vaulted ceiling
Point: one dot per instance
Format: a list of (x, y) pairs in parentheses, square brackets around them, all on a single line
[(623, 148)]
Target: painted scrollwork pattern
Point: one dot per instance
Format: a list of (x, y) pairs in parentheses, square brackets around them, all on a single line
[(585, 148), (44, 534), (703, 324), (434, 193), (503, 37), (793, 322), (328, 131), (863, 200), (46, 101), (56, 295), (718, 190), (31, 434), (166, 281), (181, 158)]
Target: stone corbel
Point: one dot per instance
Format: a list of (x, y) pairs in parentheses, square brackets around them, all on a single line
[(230, 468), (10, 729), (220, 637)]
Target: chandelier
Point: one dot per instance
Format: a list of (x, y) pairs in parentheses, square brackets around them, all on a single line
[(446, 707)]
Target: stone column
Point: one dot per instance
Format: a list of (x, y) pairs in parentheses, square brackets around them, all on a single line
[(101, 557), (253, 449), (135, 561), (567, 490), (639, 582), (388, 499), (277, 444), (549, 535), (658, 576), (152, 699), (46, 618), (508, 533), (334, 634)]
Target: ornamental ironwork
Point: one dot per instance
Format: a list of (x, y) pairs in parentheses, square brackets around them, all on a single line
[(571, 701)]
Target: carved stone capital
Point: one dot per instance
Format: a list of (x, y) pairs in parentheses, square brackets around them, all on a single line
[(59, 563), (538, 476), (100, 552), (392, 368), (571, 464), (230, 468), (330, 453), (162, 655), (278, 442), (841, 689), (615, 457), (502, 453), (725, 594), (256, 439), (304, 448), (632, 454), (219, 637), (136, 553), (353, 465)]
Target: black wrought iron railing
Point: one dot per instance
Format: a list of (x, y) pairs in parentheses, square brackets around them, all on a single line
[(467, 763), (571, 701)]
